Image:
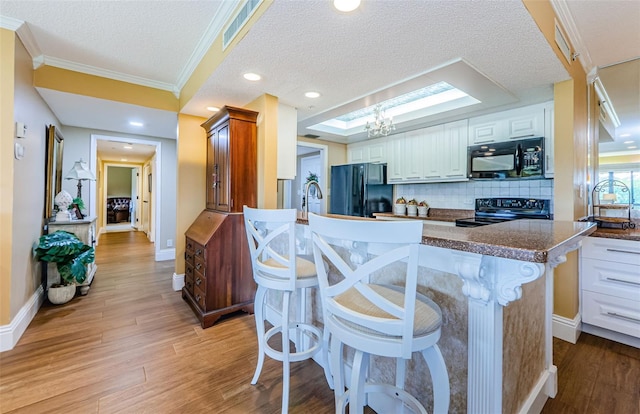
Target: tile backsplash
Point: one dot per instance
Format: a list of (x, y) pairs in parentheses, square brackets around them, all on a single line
[(462, 195)]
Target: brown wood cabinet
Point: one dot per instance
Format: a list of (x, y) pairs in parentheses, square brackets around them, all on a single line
[(218, 274)]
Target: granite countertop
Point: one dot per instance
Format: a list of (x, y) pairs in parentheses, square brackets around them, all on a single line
[(628, 234), (526, 240)]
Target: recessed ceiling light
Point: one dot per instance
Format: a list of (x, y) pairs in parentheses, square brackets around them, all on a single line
[(629, 142), (136, 124), (252, 76), (123, 159), (632, 147), (312, 95), (346, 5), (624, 135), (213, 108), (127, 147)]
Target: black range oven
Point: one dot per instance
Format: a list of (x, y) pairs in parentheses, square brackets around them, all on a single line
[(497, 210)]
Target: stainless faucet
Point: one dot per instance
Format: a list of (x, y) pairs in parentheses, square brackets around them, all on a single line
[(309, 184)]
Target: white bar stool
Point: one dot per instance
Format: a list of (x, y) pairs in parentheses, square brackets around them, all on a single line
[(271, 237), (376, 319)]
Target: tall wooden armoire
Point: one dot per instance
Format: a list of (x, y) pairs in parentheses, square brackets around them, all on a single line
[(218, 275)]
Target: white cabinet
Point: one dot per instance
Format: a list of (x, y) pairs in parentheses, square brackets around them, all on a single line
[(454, 151), (503, 126), (413, 163), (610, 285), (434, 154), (395, 158), (367, 151), (548, 140)]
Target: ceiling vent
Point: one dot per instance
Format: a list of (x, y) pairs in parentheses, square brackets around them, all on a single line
[(239, 21), (311, 136), (562, 43)]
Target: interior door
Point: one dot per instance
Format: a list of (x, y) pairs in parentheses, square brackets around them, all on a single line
[(146, 198), (135, 201)]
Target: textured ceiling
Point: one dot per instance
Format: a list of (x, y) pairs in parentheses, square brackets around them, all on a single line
[(297, 46)]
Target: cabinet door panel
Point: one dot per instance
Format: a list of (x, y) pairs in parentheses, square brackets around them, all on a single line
[(431, 152), (455, 150), (211, 172), (396, 158), (413, 155), (222, 171)]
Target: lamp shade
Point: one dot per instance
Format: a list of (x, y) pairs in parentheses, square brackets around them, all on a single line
[(80, 171)]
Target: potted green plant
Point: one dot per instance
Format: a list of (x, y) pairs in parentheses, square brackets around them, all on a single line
[(71, 257)]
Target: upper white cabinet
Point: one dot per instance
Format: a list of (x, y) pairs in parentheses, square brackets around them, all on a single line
[(395, 158), (503, 126), (454, 151), (548, 140), (434, 154), (368, 151)]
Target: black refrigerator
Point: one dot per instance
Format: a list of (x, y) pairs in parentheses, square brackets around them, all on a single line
[(360, 190)]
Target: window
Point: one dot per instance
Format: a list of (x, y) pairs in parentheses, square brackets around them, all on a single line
[(629, 175)]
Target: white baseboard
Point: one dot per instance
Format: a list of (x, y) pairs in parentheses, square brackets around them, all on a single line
[(11, 334), (546, 387), (611, 335), (178, 281), (567, 329), (165, 254)]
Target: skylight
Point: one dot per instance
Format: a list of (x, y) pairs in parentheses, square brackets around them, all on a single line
[(439, 97)]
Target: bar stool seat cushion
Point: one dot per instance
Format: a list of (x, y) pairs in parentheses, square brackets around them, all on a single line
[(427, 319), (304, 268)]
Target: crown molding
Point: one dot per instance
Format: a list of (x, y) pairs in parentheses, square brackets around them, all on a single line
[(213, 30), (26, 37), (104, 73), (569, 25), (10, 23)]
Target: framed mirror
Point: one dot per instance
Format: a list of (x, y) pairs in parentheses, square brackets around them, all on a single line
[(53, 172)]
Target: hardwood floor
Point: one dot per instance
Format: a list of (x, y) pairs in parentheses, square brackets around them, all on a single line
[(132, 345), (595, 376)]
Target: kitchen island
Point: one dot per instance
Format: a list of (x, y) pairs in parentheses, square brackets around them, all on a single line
[(494, 285)]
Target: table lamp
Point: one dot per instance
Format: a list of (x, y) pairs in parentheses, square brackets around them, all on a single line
[(80, 172)]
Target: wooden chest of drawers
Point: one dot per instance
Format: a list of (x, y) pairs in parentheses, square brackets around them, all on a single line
[(218, 275)]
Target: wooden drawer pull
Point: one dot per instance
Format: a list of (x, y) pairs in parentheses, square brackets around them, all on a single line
[(622, 251), (628, 318), (613, 279)]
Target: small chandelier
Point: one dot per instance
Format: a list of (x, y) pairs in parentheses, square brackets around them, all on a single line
[(381, 126)]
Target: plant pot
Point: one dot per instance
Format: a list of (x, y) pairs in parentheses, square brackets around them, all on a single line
[(61, 294), (412, 210), (400, 209), (423, 211)]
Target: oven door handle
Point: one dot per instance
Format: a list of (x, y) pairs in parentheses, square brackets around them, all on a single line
[(519, 158)]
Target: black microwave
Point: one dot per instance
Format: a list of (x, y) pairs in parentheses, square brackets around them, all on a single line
[(510, 160)]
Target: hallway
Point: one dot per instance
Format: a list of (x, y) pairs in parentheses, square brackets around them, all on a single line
[(132, 345)]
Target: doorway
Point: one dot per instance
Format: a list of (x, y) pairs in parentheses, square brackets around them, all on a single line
[(98, 189), (314, 157), (121, 184)]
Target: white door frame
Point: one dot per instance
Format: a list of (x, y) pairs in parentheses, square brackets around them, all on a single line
[(105, 179), (324, 163), (156, 185)]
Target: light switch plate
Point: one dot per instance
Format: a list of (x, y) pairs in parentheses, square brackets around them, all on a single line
[(18, 151)]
